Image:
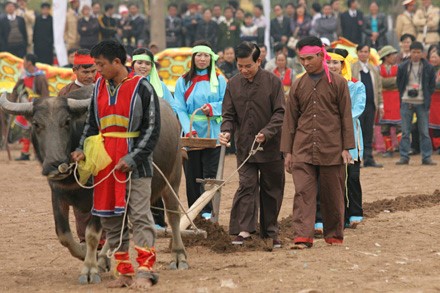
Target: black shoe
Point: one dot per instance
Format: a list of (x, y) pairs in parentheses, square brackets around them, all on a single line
[(388, 154), (429, 162), (23, 157), (402, 162), (373, 164)]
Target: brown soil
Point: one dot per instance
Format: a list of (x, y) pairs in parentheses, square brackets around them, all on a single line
[(395, 251)]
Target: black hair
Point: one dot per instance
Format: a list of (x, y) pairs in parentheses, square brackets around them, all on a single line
[(279, 47), (316, 6), (333, 1), (361, 46), (71, 51), (193, 70), (228, 8), (432, 49), (133, 4), (45, 5), (349, 2), (110, 50), (258, 6), (339, 51), (309, 41), (83, 52), (416, 46), (246, 49), (142, 51), (216, 5), (276, 56), (289, 4), (326, 4), (31, 58), (172, 5), (279, 5), (108, 6), (261, 45), (407, 36), (247, 14), (227, 48)]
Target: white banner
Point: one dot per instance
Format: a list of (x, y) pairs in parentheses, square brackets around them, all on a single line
[(266, 9), (59, 23)]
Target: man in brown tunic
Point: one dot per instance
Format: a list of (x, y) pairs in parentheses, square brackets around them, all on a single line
[(316, 136), (85, 71), (253, 109)]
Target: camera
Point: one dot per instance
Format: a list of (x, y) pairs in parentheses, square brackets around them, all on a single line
[(413, 93)]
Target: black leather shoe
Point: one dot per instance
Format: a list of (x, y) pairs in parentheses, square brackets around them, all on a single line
[(429, 162), (373, 164), (402, 162), (23, 157)]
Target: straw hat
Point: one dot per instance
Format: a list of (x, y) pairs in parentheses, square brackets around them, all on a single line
[(386, 50)]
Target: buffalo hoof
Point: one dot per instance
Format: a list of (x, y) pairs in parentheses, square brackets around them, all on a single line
[(95, 279), (183, 265), (89, 279), (173, 265), (83, 280)]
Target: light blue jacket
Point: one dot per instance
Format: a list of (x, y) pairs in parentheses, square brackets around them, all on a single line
[(200, 95), (358, 97)]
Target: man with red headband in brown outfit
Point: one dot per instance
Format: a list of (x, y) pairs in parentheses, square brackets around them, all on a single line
[(316, 136)]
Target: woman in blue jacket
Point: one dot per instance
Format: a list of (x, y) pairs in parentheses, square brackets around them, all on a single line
[(200, 88)]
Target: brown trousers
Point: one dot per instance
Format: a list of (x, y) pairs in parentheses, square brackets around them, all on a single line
[(330, 180), (261, 185)]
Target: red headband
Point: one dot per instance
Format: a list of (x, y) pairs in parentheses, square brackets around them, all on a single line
[(316, 50), (83, 59)]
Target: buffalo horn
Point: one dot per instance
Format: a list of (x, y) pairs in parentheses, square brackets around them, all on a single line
[(15, 108), (78, 105)]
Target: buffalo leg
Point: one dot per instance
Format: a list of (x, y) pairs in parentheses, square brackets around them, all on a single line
[(62, 227), (90, 271), (178, 252)]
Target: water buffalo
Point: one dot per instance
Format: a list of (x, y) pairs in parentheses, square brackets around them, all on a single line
[(57, 124)]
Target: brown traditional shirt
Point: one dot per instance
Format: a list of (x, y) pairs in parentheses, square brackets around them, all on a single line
[(250, 107), (318, 124), (69, 88)]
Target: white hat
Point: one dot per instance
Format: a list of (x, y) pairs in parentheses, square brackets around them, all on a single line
[(406, 2), (325, 41), (122, 9)]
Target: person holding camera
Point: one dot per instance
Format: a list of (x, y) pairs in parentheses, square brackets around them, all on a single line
[(416, 84)]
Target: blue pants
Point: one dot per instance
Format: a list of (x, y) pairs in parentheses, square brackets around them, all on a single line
[(407, 112)]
